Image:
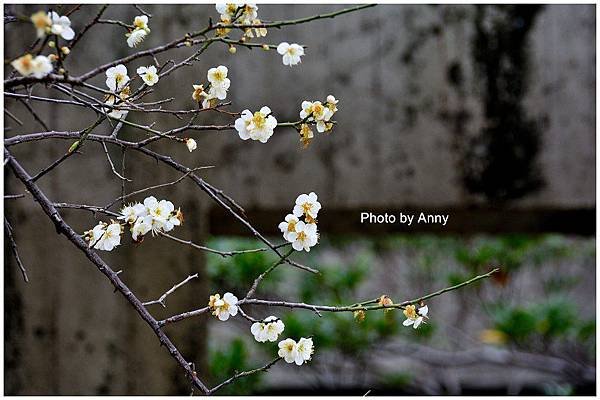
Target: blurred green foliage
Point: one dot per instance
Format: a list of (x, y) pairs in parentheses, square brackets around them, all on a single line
[(553, 319)]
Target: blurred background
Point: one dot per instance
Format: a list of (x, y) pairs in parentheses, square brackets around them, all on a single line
[(486, 113)]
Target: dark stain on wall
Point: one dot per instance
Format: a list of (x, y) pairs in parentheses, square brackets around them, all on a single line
[(500, 163)]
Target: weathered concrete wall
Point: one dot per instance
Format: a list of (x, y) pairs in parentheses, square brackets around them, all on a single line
[(413, 102)]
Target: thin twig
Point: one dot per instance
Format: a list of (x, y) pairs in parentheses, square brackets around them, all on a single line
[(243, 374), (161, 300), (13, 247)]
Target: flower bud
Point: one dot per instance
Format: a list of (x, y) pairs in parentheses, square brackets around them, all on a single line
[(191, 144), (232, 49), (265, 47), (51, 44), (65, 50)]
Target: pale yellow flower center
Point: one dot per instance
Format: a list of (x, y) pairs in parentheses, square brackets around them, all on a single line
[(301, 236), (259, 120), (306, 207), (218, 76), (410, 312), (318, 110), (292, 226)]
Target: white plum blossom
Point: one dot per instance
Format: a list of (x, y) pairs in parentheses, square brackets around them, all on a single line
[(136, 37), (293, 352), (413, 317), (132, 212), (224, 307), (288, 350), (267, 330), (307, 205), (61, 26), (288, 226), (258, 126), (191, 144), (110, 239), (27, 65), (161, 212), (228, 11), (141, 22), (321, 114), (304, 350), (219, 83), (42, 22), (94, 234), (291, 53), (116, 113), (199, 94), (148, 75), (141, 226), (116, 77), (305, 236)]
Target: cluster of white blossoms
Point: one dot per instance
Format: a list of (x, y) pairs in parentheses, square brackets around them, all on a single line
[(225, 307), (240, 13), (218, 86), (302, 234), (318, 113), (291, 53), (152, 216), (104, 236), (293, 352), (267, 330), (52, 23), (414, 317), (139, 32), (258, 126), (117, 81), (27, 65)]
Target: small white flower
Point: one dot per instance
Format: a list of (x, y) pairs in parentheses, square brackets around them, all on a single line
[(199, 94), (307, 204), (148, 75), (316, 111), (191, 144), (61, 26), (258, 126), (413, 317), (142, 226), (267, 330), (42, 22), (130, 213), (115, 112), (93, 235), (27, 65), (304, 350), (248, 13), (219, 83), (136, 37), (288, 350), (110, 239), (305, 237), (291, 53), (288, 226), (141, 22), (116, 77), (225, 307)]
